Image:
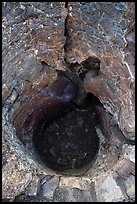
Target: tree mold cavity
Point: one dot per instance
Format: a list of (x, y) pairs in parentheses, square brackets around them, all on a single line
[(61, 132), (70, 143)]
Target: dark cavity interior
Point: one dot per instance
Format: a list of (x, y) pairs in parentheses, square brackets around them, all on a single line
[(70, 142), (91, 64), (61, 121)]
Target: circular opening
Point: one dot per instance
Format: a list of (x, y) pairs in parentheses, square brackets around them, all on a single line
[(70, 142), (60, 132), (57, 123)]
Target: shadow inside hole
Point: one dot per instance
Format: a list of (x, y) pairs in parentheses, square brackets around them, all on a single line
[(91, 64), (70, 142)]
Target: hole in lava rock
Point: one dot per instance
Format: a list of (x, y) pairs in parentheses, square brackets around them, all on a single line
[(91, 64), (70, 142)]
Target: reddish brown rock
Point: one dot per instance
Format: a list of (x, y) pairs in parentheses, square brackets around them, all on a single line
[(106, 31), (103, 30), (56, 32)]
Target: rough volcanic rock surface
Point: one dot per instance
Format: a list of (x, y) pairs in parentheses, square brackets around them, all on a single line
[(106, 31), (32, 32), (40, 37)]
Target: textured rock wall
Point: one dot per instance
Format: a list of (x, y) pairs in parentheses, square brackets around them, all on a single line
[(103, 30), (31, 35), (61, 34), (106, 31)]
